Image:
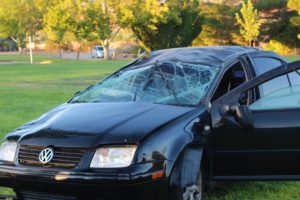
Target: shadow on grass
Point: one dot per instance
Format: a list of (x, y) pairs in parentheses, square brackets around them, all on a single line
[(269, 190)]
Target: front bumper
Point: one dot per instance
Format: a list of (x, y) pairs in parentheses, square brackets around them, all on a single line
[(135, 182)]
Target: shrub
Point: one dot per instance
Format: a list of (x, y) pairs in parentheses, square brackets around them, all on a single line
[(280, 48)]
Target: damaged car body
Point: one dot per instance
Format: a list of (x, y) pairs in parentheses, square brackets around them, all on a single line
[(163, 127)]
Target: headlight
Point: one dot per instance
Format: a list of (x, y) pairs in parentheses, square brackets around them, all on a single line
[(113, 157), (8, 151)]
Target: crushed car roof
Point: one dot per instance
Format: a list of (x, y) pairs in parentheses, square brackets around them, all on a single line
[(214, 56)]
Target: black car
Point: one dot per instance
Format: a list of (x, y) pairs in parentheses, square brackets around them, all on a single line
[(164, 127)]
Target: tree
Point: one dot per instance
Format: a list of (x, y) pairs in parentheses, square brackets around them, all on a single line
[(295, 5), (106, 25), (219, 27), (162, 24), (82, 21), (249, 21), (19, 19), (84, 16), (276, 27), (57, 24)]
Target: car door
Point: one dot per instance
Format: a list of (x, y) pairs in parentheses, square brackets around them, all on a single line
[(262, 140)]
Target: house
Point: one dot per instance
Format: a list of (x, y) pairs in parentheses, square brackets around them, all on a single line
[(7, 45)]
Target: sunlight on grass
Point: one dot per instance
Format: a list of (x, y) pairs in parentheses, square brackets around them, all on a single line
[(46, 62), (6, 192)]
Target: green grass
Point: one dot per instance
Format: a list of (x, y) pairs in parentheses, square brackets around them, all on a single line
[(22, 58), (27, 91), (293, 58)]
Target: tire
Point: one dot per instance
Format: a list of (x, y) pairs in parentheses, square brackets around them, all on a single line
[(192, 192)]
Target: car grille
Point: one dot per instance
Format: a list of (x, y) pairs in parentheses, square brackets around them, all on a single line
[(63, 157), (27, 195)]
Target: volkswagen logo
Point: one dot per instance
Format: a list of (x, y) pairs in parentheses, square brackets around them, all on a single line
[(46, 155)]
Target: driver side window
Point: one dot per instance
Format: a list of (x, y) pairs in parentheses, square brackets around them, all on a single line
[(285, 98), (232, 78)]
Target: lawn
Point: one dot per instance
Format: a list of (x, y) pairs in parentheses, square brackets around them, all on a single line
[(28, 90)]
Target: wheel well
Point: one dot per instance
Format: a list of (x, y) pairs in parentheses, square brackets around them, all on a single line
[(186, 168), (207, 169)]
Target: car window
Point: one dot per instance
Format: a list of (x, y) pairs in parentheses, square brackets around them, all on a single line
[(287, 97), (232, 78), (294, 78), (173, 83), (264, 64), (281, 99)]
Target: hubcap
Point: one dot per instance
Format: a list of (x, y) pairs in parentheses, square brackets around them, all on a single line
[(194, 192)]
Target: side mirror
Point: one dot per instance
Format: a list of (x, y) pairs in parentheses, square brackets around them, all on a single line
[(242, 114)]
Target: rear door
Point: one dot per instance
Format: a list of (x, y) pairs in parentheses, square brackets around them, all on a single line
[(270, 148)]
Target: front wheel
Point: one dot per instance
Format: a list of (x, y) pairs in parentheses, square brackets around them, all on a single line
[(192, 192)]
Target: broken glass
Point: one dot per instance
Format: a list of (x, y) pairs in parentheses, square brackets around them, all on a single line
[(173, 83)]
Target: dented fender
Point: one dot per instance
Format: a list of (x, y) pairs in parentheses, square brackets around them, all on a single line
[(187, 168)]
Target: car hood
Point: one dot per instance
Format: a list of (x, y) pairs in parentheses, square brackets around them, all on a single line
[(93, 124)]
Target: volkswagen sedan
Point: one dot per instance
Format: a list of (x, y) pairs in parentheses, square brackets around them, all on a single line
[(164, 127)]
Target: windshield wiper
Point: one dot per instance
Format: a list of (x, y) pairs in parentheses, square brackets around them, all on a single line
[(150, 78), (79, 101), (162, 74), (148, 81)]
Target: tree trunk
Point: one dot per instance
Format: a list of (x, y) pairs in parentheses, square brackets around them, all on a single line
[(60, 53), (105, 45), (106, 52), (251, 43), (78, 55), (20, 50), (139, 52)]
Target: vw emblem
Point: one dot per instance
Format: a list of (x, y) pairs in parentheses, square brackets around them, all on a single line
[(46, 155)]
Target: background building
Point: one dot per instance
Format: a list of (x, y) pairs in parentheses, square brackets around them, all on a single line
[(7, 45)]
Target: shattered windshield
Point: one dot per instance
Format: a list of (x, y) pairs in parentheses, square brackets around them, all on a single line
[(173, 83)]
